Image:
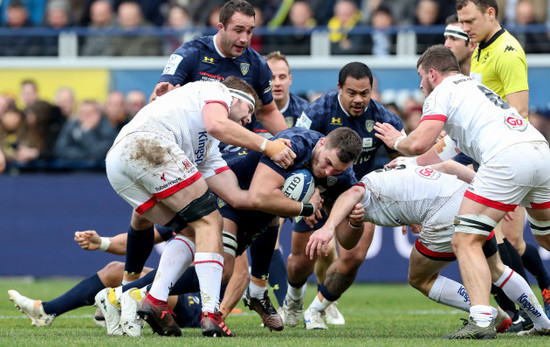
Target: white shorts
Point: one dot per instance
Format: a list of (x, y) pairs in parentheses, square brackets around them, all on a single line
[(144, 167), (518, 175), (434, 240)]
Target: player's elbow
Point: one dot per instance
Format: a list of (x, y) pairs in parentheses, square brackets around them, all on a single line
[(419, 147)]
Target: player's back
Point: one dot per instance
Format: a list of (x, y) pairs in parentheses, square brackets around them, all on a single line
[(407, 194)]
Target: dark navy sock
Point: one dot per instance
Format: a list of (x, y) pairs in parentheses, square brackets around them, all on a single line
[(140, 282), (82, 294), (515, 258), (187, 283), (533, 263), (326, 294), (138, 248), (277, 276), (261, 251)]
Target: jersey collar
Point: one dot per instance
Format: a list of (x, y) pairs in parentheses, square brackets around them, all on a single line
[(216, 47), (484, 45), (286, 105)]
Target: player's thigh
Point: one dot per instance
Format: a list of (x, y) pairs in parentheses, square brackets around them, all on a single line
[(422, 269)]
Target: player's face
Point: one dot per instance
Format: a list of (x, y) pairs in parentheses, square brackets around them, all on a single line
[(325, 161), (235, 37), (241, 112), (459, 47), (475, 23), (355, 95), (425, 82), (281, 79)]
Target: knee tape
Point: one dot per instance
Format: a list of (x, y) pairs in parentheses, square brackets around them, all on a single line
[(229, 243), (198, 208), (474, 224), (539, 227), (490, 247)]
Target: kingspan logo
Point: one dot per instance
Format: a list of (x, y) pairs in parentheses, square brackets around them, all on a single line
[(526, 304), (201, 148)]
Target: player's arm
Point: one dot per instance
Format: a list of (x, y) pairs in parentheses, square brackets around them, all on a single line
[(226, 186), (90, 240), (520, 101), (451, 167), (271, 118), (342, 208), (215, 116), (419, 140), (265, 195)]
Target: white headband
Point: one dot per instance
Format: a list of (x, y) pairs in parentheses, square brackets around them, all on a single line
[(456, 31), (243, 96)]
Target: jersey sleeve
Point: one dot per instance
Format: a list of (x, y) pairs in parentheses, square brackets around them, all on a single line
[(264, 90), (511, 68), (214, 92), (179, 66), (309, 118), (436, 106)]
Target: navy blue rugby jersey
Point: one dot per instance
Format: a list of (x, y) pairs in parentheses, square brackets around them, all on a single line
[(244, 162), (325, 114), (291, 112), (200, 60)]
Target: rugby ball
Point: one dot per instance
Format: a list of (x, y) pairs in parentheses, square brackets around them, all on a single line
[(299, 185)]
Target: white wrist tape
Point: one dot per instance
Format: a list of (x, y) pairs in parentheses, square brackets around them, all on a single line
[(105, 243), (264, 144), (397, 140), (446, 148)]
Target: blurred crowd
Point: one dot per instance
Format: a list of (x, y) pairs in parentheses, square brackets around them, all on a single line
[(66, 135), (157, 27)]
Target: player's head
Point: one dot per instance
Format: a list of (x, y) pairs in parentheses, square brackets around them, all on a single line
[(478, 18), (336, 152), (433, 65), (235, 27), (355, 88), (245, 100), (281, 77), (458, 41)]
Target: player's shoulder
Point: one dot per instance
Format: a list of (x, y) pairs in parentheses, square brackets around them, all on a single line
[(299, 102), (508, 47), (195, 47), (381, 112), (323, 103)]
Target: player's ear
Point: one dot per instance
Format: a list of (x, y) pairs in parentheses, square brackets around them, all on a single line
[(220, 26)]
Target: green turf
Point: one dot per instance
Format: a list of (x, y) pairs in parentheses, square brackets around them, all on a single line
[(376, 315)]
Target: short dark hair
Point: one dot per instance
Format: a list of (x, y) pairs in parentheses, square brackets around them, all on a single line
[(347, 141), (453, 18), (440, 58), (482, 5), (239, 84), (229, 8), (355, 70)]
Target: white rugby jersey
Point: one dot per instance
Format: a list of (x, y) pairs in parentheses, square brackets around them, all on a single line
[(475, 117), (177, 115), (407, 194)]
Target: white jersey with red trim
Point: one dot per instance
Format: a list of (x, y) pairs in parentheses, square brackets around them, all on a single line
[(475, 117), (177, 115), (410, 194)]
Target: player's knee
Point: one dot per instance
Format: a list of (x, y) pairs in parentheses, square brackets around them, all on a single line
[(111, 274), (477, 225), (351, 261), (199, 208)]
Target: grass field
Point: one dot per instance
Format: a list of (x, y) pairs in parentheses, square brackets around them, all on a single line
[(376, 315)]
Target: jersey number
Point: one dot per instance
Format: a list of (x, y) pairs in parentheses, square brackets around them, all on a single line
[(495, 99)]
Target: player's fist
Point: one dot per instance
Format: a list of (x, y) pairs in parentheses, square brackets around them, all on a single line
[(279, 150), (88, 239)]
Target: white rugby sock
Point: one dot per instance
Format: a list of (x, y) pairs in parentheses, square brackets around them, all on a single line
[(175, 259), (516, 288), (296, 293), (481, 315), (256, 291), (320, 305), (209, 268), (450, 293)]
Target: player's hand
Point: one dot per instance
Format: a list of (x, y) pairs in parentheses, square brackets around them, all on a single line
[(357, 215), (163, 88), (415, 229), (387, 133), (88, 239), (318, 242), (279, 151), (317, 202), (508, 217)]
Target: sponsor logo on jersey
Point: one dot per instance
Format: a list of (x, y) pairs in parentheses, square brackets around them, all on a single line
[(205, 76), (220, 203), (172, 64), (200, 153), (428, 172), (367, 142), (331, 180), (244, 68), (509, 49), (289, 121), (515, 122), (241, 153), (336, 121), (485, 58), (162, 177), (268, 88), (303, 121), (208, 60), (187, 164), (369, 125)]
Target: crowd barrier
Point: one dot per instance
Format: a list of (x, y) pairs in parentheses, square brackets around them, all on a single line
[(40, 213)]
